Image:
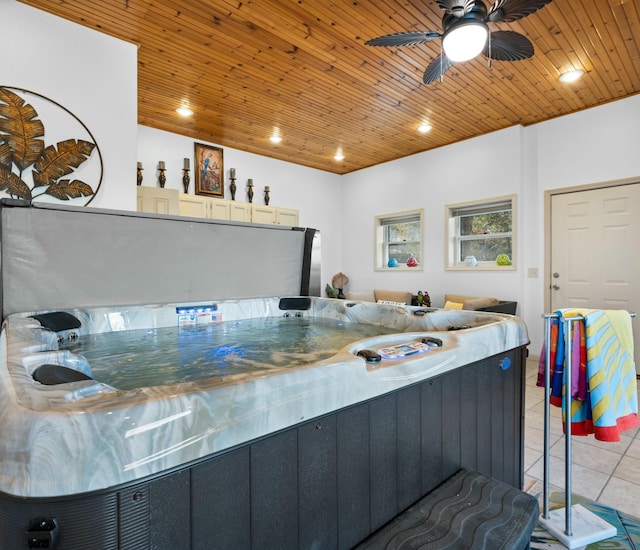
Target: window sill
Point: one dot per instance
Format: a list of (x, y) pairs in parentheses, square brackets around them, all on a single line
[(399, 268), (488, 267)]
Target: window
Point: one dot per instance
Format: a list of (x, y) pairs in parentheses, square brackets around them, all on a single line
[(481, 234), (398, 240)]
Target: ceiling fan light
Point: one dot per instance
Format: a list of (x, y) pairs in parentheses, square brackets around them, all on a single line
[(571, 76), (465, 40)]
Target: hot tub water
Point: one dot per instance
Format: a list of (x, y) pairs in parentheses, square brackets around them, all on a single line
[(163, 356)]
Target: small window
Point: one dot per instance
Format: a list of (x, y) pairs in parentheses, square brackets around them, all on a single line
[(481, 234), (398, 240)]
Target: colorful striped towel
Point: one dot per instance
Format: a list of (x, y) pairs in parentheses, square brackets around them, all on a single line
[(611, 406)]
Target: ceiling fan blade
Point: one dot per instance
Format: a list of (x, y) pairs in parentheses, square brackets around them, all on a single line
[(436, 68), (507, 11), (508, 46), (456, 7), (410, 38)]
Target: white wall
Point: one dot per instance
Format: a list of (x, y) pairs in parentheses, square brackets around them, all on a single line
[(475, 169), (316, 194), (89, 73), (595, 145)]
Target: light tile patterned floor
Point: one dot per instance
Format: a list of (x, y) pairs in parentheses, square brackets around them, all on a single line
[(608, 473)]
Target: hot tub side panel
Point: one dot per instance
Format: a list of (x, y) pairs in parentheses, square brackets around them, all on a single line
[(325, 483)]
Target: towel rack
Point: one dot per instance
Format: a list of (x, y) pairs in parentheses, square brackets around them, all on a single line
[(588, 527)]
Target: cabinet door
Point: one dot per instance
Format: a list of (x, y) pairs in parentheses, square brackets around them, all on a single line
[(240, 211), (285, 216), (219, 209), (263, 214), (158, 200), (194, 206)]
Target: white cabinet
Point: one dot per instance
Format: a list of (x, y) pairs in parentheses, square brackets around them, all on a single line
[(193, 206), (286, 216), (273, 215), (219, 209), (158, 200), (263, 214), (239, 211), (198, 206)]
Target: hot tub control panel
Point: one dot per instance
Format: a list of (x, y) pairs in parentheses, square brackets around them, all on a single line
[(400, 351), (403, 350)]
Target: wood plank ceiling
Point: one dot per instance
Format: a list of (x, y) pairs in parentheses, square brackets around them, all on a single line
[(246, 67)]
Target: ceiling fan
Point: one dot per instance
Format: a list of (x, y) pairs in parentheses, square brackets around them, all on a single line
[(466, 33)]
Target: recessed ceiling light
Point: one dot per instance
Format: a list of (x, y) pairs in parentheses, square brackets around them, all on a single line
[(339, 155), (571, 76), (184, 111), (424, 128), (275, 136)]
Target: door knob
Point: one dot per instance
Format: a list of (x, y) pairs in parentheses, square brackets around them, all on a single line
[(555, 287), (556, 275)]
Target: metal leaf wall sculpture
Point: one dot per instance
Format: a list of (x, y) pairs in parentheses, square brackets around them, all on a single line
[(23, 147)]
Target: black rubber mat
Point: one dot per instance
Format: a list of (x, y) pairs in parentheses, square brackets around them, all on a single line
[(467, 512)]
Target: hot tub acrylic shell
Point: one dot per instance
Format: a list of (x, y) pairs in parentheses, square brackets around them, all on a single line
[(85, 436)]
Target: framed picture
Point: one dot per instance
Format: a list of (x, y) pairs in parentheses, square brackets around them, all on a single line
[(209, 170)]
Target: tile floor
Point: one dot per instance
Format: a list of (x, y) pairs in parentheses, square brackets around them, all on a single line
[(608, 473)]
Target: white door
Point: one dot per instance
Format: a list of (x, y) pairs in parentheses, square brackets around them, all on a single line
[(595, 251)]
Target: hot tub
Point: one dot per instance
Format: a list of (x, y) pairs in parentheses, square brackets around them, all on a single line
[(183, 448), (75, 431), (316, 451)]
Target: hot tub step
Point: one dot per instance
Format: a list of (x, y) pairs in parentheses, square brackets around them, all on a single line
[(467, 512)]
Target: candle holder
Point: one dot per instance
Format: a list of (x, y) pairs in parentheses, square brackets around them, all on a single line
[(185, 180), (162, 178), (139, 175), (250, 190), (233, 188), (266, 195)]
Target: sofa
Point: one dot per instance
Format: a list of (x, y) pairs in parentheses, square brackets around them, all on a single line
[(479, 303), (451, 301), (377, 295)]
